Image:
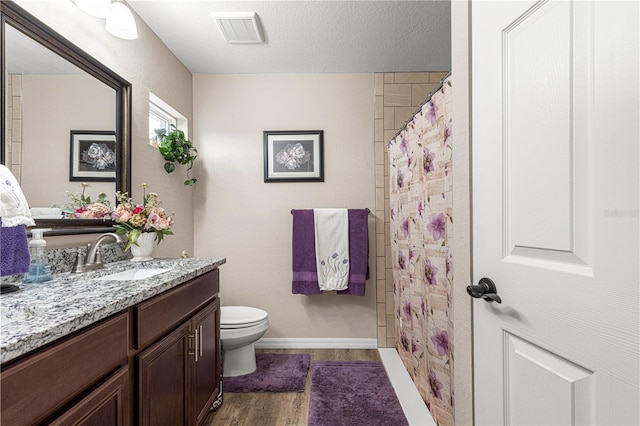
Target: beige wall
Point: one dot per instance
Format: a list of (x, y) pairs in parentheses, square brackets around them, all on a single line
[(239, 216), (148, 65), (45, 146)]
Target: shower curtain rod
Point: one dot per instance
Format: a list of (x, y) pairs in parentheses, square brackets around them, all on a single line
[(404, 126), (368, 211)]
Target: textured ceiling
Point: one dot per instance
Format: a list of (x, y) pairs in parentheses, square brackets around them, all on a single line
[(307, 36)]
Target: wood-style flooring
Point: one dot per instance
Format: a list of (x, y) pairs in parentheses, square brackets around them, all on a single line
[(280, 409)]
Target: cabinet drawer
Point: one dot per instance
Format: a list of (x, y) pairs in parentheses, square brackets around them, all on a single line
[(160, 315), (107, 405), (44, 382)]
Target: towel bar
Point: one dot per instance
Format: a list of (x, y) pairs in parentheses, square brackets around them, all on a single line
[(368, 211)]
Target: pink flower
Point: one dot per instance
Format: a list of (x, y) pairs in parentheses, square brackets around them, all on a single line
[(157, 221), (405, 227), (435, 384), (402, 261), (440, 340), (400, 179), (449, 265), (430, 272), (428, 160), (437, 226), (407, 310), (447, 132), (431, 112), (121, 214)]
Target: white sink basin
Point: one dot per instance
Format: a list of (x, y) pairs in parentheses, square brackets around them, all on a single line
[(134, 274)]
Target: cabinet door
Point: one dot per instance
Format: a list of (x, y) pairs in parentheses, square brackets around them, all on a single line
[(162, 378), (107, 405), (205, 368)]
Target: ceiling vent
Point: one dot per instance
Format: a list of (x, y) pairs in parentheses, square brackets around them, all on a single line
[(239, 27)]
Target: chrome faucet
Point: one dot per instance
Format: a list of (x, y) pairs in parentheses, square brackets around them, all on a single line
[(93, 258)]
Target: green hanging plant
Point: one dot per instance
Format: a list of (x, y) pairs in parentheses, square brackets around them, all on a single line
[(175, 148)]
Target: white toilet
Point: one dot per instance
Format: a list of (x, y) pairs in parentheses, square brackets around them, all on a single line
[(240, 328)]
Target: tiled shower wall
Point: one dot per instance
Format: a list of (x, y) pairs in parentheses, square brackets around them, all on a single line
[(397, 96), (13, 120)]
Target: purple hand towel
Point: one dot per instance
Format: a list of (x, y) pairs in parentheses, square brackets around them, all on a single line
[(303, 245), (358, 252), (14, 250)]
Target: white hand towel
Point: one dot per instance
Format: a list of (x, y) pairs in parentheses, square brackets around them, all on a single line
[(14, 209), (46, 212), (332, 248)]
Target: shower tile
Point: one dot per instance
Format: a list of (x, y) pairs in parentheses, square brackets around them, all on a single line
[(382, 335), (435, 77), (381, 291), (389, 134), (397, 95), (378, 105), (389, 118), (380, 181), (378, 84), (382, 316), (419, 92), (412, 77), (403, 114), (379, 152), (379, 130)]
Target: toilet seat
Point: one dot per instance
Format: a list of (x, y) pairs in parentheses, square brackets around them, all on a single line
[(232, 317)]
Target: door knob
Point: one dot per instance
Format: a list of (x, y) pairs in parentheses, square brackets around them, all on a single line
[(485, 289)]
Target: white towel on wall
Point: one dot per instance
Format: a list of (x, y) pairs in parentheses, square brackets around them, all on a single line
[(332, 248), (14, 209)]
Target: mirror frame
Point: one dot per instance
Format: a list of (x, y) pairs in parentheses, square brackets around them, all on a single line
[(20, 19)]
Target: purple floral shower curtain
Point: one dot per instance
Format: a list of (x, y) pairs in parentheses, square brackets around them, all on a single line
[(421, 219)]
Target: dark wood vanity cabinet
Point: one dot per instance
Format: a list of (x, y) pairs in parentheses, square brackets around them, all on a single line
[(178, 366), (206, 369), (158, 363), (71, 381)]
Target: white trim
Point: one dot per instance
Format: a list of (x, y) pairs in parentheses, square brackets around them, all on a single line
[(415, 410), (182, 122), (316, 343)]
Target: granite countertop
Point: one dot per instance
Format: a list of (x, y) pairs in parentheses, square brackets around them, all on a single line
[(40, 313)]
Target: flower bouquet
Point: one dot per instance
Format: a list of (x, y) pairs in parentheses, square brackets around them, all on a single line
[(136, 219), (80, 205)]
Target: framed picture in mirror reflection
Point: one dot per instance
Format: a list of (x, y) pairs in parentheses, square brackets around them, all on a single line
[(92, 156)]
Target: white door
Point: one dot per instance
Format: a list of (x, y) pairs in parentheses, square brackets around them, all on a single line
[(555, 211)]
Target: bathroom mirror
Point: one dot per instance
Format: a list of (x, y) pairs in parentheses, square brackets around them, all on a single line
[(60, 90)]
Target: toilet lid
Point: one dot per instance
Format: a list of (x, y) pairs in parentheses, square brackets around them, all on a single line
[(234, 316)]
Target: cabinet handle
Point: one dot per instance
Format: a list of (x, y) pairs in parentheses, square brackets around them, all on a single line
[(196, 344), (200, 345), (197, 351)]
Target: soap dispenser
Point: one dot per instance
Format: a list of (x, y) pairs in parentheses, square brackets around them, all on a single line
[(39, 270)]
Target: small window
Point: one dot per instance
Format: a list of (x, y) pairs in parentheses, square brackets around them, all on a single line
[(159, 119)]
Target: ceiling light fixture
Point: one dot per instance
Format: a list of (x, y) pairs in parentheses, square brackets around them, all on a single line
[(97, 8), (121, 23), (119, 18), (239, 27)]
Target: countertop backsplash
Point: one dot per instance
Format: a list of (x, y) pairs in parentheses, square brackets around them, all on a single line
[(63, 259)]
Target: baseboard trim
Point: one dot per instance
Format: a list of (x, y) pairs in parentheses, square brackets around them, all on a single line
[(316, 343)]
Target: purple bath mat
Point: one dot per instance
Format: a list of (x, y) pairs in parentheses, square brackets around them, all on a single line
[(352, 393), (275, 373)]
